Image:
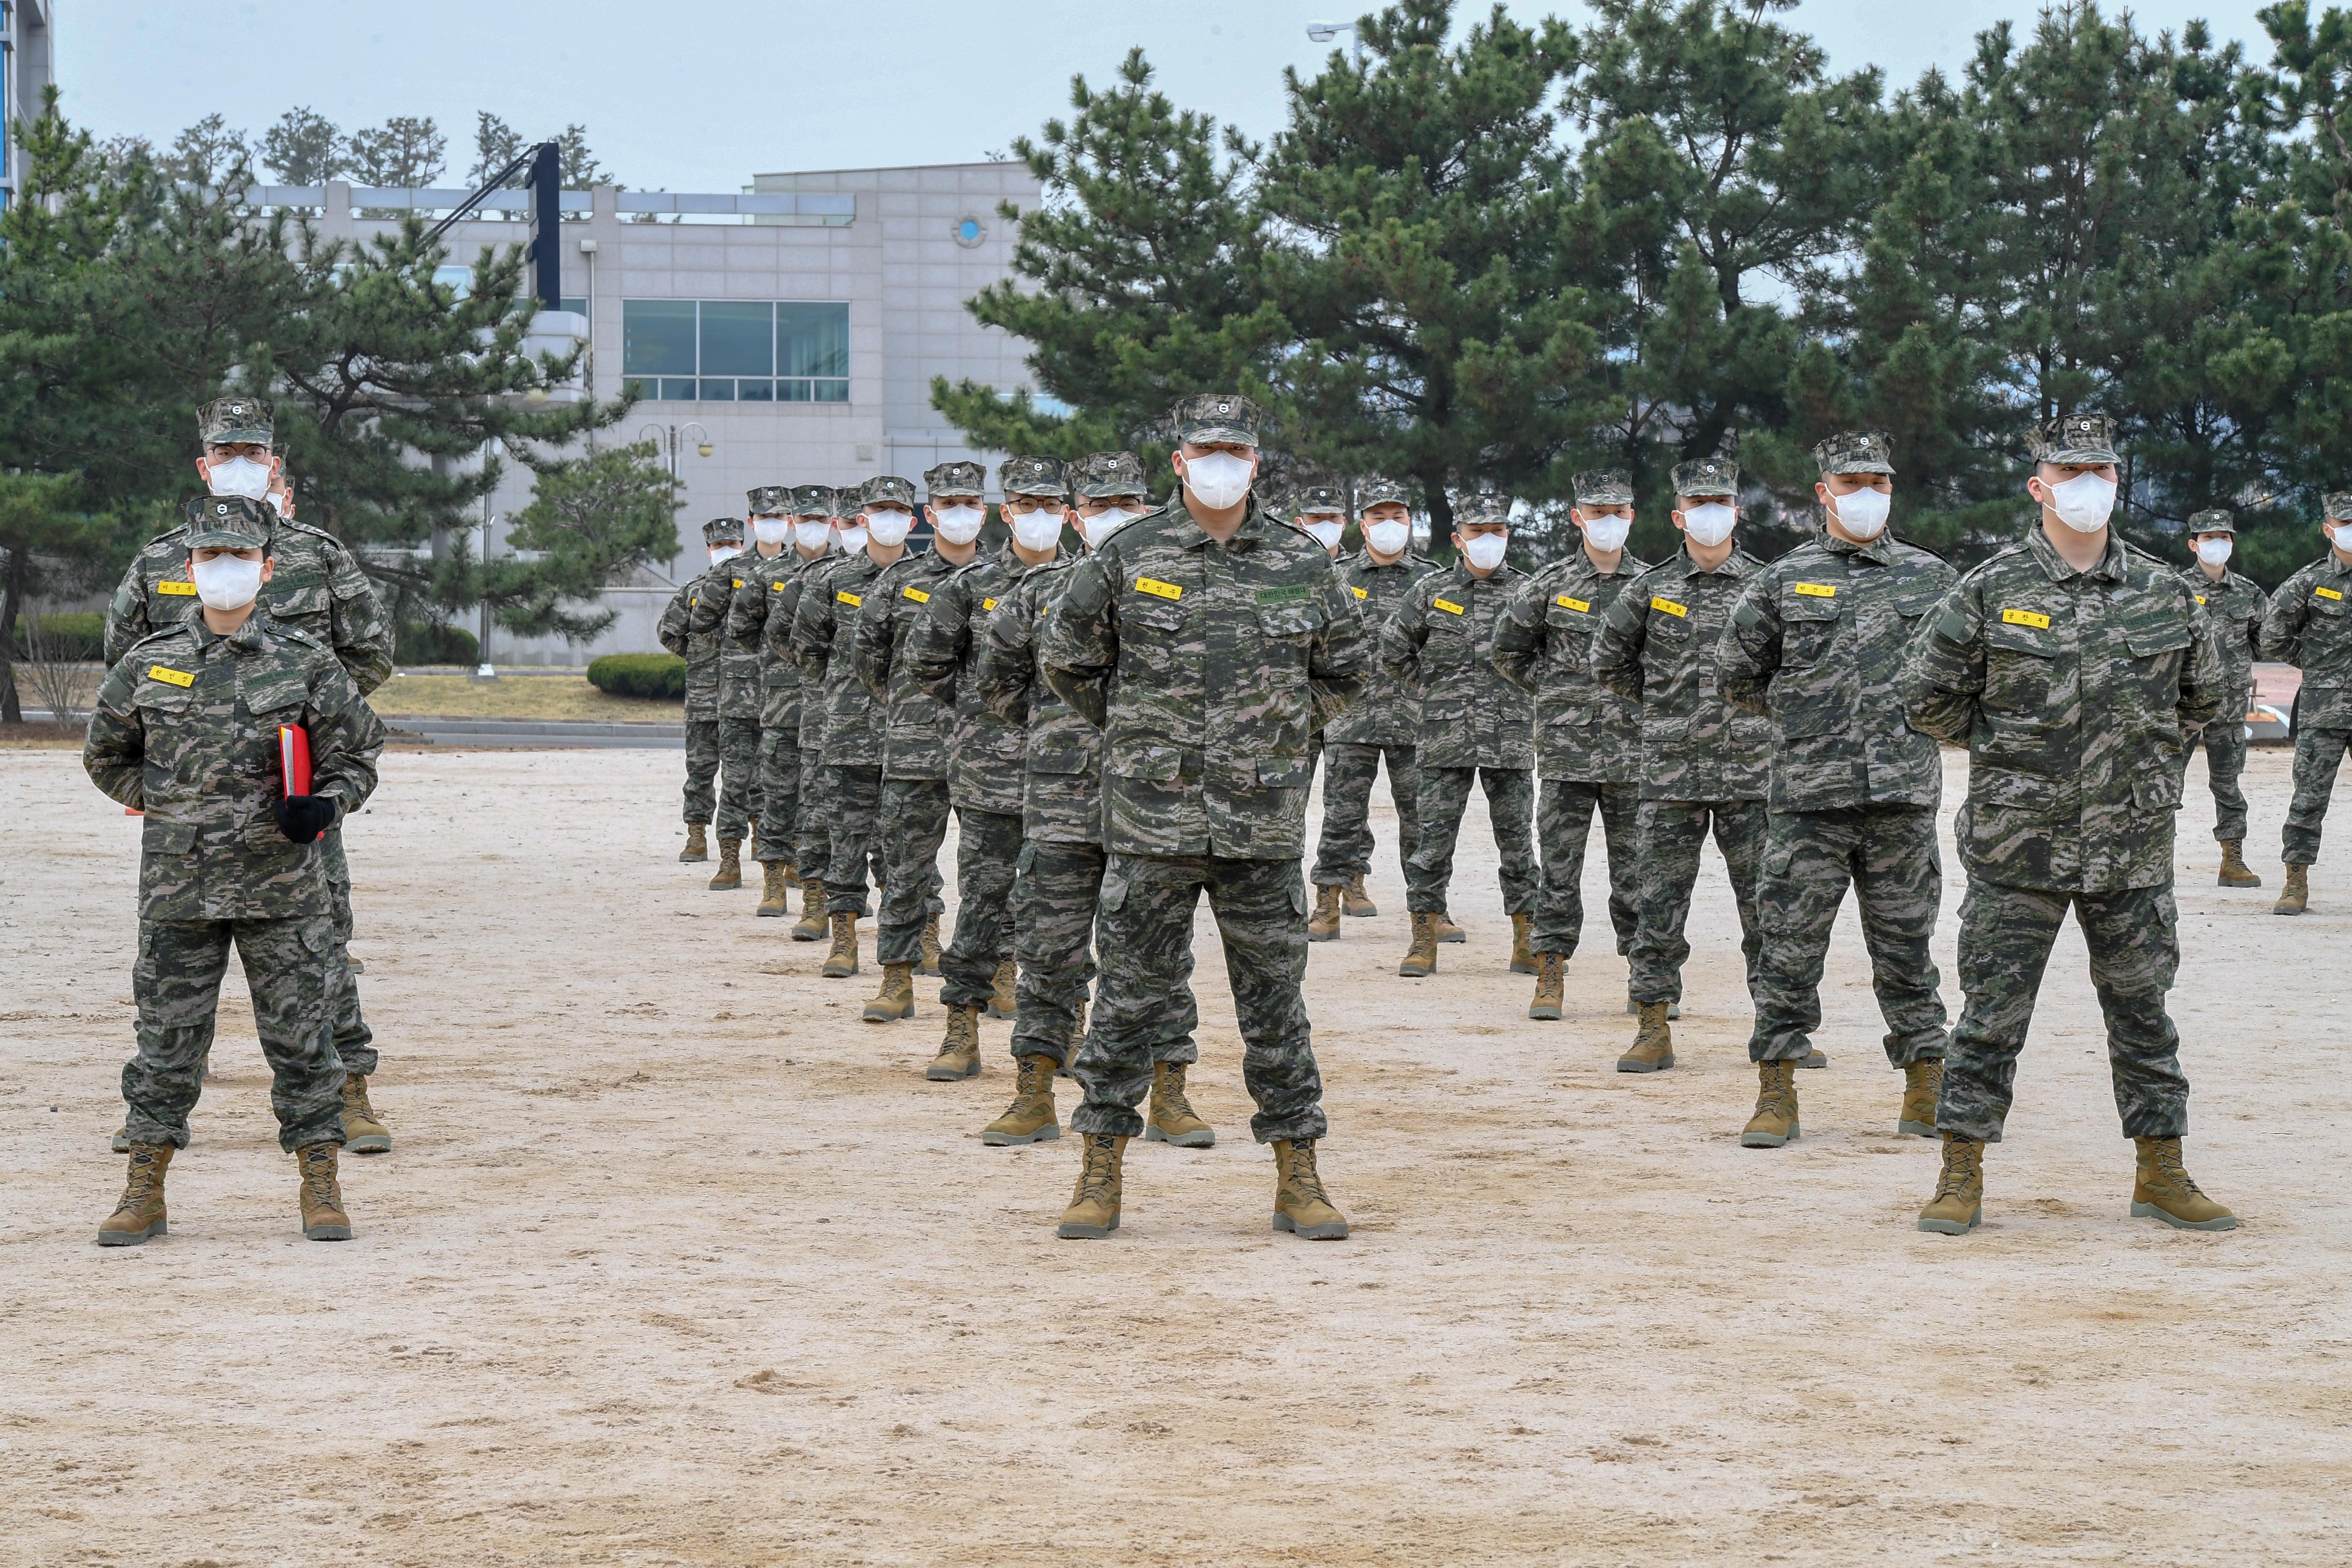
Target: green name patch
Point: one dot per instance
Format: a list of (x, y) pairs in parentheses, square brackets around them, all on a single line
[(1295, 592)]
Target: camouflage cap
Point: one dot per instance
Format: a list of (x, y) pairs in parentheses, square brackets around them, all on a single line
[(2074, 438), (1319, 496), (723, 530), (1482, 509), (845, 498), (1032, 477), (2338, 505), (955, 479), (770, 501), (1856, 452), (2218, 520), (1709, 476), (812, 501), (230, 523), (227, 420), (1098, 476), (1214, 417), (1603, 486), (1371, 493), (887, 490)]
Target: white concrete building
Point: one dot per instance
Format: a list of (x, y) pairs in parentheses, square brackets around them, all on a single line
[(26, 68)]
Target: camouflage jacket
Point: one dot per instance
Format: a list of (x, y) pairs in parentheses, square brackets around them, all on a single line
[(1208, 666), (1060, 789), (741, 687), (1657, 647), (824, 626), (1389, 713), (2076, 694), (315, 587), (1441, 638), (985, 754), (768, 594), (914, 723), (1816, 645), (788, 593), (1543, 644), (2309, 625), (185, 730), (699, 650), (2234, 611)]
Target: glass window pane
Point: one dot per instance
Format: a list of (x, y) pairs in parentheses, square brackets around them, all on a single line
[(791, 392), (755, 391), (678, 391), (717, 392), (640, 386), (657, 337), (738, 338), (832, 392), (813, 339), (576, 304)]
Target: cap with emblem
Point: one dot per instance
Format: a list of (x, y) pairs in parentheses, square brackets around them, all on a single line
[(887, 490), (2074, 438), (1032, 477), (1318, 496), (2217, 519), (1371, 493), (956, 479), (770, 501), (1215, 419), (723, 530), (229, 522), (1856, 452), (812, 501), (1714, 477), (1470, 511), (1604, 487), (1100, 474), (233, 421)]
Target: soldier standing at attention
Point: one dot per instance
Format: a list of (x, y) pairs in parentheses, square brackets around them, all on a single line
[(185, 730), (1704, 763), (2077, 670), (1588, 738), (1816, 646), (315, 587), (722, 540), (1474, 726), (818, 541), (1207, 643), (2309, 625), (1386, 722), (766, 579), (739, 700), (2233, 609)]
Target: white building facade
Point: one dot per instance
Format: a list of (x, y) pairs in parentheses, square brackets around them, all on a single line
[(27, 67)]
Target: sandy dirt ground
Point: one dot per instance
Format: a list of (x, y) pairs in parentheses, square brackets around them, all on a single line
[(676, 1261)]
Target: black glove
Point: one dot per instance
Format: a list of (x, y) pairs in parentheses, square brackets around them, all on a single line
[(302, 817)]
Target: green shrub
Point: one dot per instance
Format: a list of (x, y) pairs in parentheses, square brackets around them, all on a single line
[(424, 642), (639, 675), (79, 637)]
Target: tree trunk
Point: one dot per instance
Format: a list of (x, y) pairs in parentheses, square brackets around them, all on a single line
[(12, 708), (1441, 512)]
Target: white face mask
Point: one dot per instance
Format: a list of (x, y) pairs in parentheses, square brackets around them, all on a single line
[(719, 552), (1484, 551), (889, 528), (225, 582), (771, 529), (1325, 531), (2341, 535), (1863, 513), (812, 536), (2213, 551), (1712, 523), (2083, 503), (1218, 479), (853, 539), (1604, 532), (1104, 523), (1389, 537), (237, 476), (274, 502), (1039, 530), (958, 524)]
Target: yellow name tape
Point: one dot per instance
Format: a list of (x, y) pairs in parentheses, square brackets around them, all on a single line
[(988, 603), (2200, 599), (1359, 592), (185, 590), (1449, 606), (1157, 589), (1582, 606), (2025, 618), (775, 587), (850, 599), (1669, 607), (736, 583), (170, 677), (917, 594), (1816, 590), (2327, 593)]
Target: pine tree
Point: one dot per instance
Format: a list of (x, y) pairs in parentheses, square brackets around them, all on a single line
[(592, 521), (303, 148)]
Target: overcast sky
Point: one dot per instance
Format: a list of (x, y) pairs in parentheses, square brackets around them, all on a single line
[(700, 95)]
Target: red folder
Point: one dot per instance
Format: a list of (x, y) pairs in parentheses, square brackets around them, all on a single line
[(294, 756)]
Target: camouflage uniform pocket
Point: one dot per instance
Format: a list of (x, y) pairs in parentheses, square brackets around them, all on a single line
[(1114, 893), (1292, 622), (2022, 665), (2156, 658), (1809, 627), (157, 836)]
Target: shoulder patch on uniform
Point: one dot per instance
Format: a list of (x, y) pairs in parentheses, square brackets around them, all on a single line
[(1285, 594)]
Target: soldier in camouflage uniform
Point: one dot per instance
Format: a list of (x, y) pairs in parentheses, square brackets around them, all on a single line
[(1816, 646), (2077, 671), (1704, 762), (769, 579), (818, 541), (316, 586), (1385, 723), (1208, 643), (1475, 727), (722, 540), (2309, 625), (2233, 609), (740, 700), (1588, 738), (186, 731)]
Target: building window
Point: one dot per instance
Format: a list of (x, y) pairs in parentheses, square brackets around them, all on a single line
[(734, 351)]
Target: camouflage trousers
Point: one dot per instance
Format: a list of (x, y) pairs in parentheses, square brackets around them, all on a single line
[(1564, 812), (780, 793), (1889, 854), (2005, 938), (701, 769), (815, 826), (1510, 807), (911, 824), (1144, 1011), (988, 849), (739, 781), (1345, 849), (354, 1041), (1055, 890), (1671, 833), (2225, 760), (850, 797), (175, 982), (2317, 754)]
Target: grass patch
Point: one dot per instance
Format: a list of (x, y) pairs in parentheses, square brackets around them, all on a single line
[(516, 697)]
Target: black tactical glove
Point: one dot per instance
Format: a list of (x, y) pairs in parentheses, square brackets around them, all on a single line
[(302, 817)]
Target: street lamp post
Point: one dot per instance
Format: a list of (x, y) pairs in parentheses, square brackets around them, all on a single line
[(667, 437), (1323, 32)]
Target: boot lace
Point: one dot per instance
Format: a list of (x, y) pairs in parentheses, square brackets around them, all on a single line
[(142, 1185), (2170, 1172), (1174, 1104), (1095, 1175), (1306, 1183), (1958, 1165), (318, 1175)]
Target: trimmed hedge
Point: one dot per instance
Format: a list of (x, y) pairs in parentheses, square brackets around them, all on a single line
[(423, 642), (639, 675), (80, 635)]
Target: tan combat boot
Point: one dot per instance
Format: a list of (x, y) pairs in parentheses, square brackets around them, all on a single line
[(696, 846), (1077, 1038), (842, 961), (140, 1212), (792, 874), (2162, 1190), (730, 874), (1958, 1202), (1299, 1205), (2296, 894), (810, 927), (959, 1056), (1446, 930), (1092, 1213), (1421, 958), (1002, 1001), (772, 889), (1552, 983), (364, 1130), (896, 999), (1354, 901), (1031, 1118), (930, 961), (1323, 925), (1171, 1119), (1653, 1043), (323, 1218), (2235, 872), (1922, 1085), (1775, 1121), (1523, 953), (1633, 1008)]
